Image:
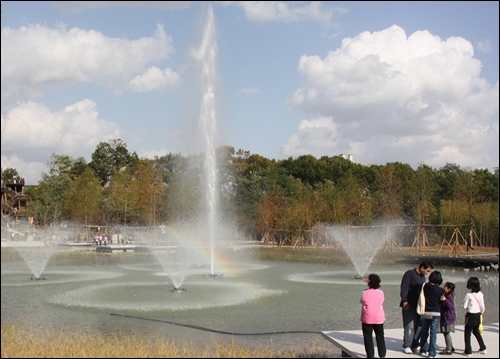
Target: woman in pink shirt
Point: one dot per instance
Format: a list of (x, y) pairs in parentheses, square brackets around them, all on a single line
[(373, 316)]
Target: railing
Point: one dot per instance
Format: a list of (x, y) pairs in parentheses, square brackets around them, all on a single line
[(19, 181)]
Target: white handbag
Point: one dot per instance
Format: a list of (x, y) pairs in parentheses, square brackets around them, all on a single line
[(421, 302)]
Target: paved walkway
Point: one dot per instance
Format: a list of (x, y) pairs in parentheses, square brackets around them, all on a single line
[(351, 343)]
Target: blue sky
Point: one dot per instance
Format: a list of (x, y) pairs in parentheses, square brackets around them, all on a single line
[(411, 82)]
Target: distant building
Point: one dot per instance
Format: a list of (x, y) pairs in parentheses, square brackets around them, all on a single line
[(14, 200), (348, 157), (495, 170)]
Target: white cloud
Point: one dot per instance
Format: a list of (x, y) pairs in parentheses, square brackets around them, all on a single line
[(397, 98), (30, 171), (32, 132), (36, 56), (75, 6), (287, 11), (153, 79), (484, 46), (151, 154), (316, 137), (251, 91)]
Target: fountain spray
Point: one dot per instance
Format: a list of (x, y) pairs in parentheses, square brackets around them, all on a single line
[(206, 53)]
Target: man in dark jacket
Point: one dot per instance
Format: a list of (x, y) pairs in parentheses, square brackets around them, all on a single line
[(410, 290)]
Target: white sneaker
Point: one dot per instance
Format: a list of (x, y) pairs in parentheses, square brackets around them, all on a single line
[(407, 350), (483, 351)]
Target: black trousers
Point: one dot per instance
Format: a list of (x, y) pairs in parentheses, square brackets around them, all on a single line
[(472, 327), (368, 330)]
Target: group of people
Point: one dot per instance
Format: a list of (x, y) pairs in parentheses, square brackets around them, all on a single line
[(100, 240), (420, 331)]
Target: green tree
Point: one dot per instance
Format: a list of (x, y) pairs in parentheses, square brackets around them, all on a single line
[(110, 157), (47, 199), (446, 179), (171, 164), (9, 173), (78, 167)]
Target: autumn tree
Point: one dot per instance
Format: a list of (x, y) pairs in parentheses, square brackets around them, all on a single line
[(269, 213), (122, 197), (389, 193), (354, 205), (150, 191), (84, 199)]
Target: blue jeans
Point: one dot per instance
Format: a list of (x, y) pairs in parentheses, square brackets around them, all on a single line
[(410, 324), (429, 325)]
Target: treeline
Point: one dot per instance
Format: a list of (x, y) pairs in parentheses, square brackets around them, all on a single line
[(263, 197)]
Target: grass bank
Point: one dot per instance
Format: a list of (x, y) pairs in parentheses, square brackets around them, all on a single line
[(20, 341)]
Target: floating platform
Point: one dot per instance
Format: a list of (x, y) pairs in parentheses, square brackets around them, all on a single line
[(351, 343), (461, 261), (115, 248), (76, 245)]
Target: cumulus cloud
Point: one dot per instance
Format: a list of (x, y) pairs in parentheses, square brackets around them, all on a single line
[(317, 137), (35, 56), (418, 98), (287, 11), (251, 91), (484, 46), (153, 79), (31, 133), (76, 6)]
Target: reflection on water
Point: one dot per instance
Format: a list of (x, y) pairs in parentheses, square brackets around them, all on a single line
[(251, 297)]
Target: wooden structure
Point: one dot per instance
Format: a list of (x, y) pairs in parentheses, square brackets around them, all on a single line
[(390, 243), (14, 200), (458, 241), (421, 240)]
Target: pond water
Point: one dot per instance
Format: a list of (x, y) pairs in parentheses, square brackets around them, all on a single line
[(130, 293)]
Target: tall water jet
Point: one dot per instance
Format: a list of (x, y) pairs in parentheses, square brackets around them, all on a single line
[(206, 54)]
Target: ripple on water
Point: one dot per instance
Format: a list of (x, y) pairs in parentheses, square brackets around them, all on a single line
[(343, 277), (15, 278), (153, 296)]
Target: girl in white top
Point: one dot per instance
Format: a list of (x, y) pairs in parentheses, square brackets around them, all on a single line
[(474, 304)]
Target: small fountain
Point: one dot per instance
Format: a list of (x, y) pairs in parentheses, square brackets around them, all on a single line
[(178, 290), (360, 243), (36, 256), (175, 263)]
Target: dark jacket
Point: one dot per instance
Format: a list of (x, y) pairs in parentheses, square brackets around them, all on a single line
[(448, 314), (433, 294), (410, 287)]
